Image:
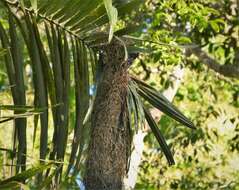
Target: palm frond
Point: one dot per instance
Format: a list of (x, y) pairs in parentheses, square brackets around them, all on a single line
[(82, 100), (112, 14), (41, 99), (141, 114), (75, 17), (153, 126), (160, 102), (25, 175), (138, 110), (71, 29), (135, 106), (14, 62), (51, 76)]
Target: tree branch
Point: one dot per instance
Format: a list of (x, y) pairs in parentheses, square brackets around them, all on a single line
[(226, 70)]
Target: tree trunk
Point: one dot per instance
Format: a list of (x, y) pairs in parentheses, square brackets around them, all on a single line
[(107, 158)]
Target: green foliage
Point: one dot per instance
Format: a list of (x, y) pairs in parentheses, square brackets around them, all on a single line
[(54, 39), (112, 13), (61, 42), (61, 39), (26, 174), (205, 158), (137, 89), (208, 163), (209, 24), (2, 52)]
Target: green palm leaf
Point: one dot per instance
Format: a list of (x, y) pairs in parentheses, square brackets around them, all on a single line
[(72, 29), (136, 107), (161, 103), (21, 177), (157, 133)]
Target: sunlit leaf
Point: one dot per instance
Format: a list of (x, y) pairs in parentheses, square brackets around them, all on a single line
[(112, 14), (21, 177), (34, 4), (2, 52)]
